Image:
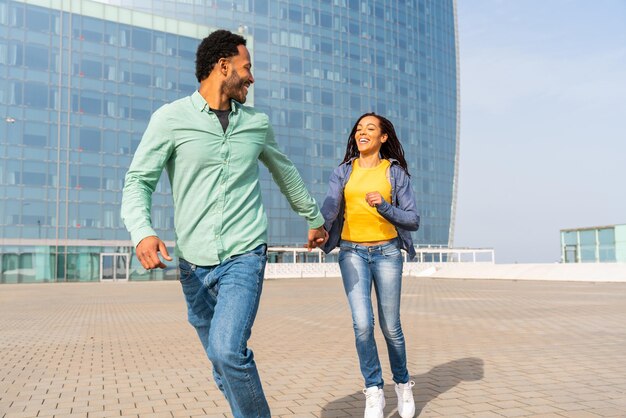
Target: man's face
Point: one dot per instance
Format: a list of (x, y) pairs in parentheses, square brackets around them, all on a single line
[(238, 81)]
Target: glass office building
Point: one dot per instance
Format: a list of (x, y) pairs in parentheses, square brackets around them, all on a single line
[(79, 80), (597, 244)]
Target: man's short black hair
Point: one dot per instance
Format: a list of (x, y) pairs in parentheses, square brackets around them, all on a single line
[(219, 44)]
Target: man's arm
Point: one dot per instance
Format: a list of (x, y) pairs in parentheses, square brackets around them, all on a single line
[(141, 179), (291, 185)]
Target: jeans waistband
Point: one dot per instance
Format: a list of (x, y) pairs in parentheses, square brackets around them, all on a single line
[(395, 243)]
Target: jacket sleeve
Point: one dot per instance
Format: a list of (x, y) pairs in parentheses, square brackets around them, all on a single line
[(332, 202), (404, 214)]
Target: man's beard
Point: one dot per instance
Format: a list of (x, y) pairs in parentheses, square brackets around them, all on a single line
[(234, 87)]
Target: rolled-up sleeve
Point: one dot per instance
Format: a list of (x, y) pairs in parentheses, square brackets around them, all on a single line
[(404, 214)]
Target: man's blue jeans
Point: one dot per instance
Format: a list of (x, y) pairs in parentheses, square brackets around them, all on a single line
[(380, 265), (222, 303)]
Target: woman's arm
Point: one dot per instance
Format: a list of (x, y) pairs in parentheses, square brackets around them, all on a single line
[(404, 214)]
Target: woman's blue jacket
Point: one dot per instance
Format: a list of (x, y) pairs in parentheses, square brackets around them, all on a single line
[(401, 212)]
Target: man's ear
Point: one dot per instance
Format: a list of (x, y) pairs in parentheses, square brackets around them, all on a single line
[(223, 64)]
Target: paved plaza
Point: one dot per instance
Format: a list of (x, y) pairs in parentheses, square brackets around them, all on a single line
[(476, 348)]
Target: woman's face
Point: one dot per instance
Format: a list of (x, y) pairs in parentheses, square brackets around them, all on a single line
[(368, 136)]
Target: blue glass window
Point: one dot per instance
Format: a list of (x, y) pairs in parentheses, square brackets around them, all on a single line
[(327, 98), (36, 57), (295, 119), (187, 48), (260, 7), (141, 79), (326, 48), (90, 139), (89, 182), (33, 179), (295, 65), (35, 95), (89, 68), (37, 20), (141, 39), (89, 35), (35, 135), (327, 123), (326, 20), (606, 241), (295, 14), (588, 246), (33, 140), (355, 102), (90, 104), (295, 93)]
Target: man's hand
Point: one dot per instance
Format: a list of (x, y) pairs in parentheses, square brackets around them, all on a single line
[(373, 199), (148, 251), (317, 237)]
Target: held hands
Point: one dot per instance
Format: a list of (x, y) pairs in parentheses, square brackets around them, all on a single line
[(373, 199), (317, 237), (147, 252)]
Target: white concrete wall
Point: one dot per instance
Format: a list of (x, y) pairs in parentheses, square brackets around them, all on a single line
[(596, 272), (591, 272)]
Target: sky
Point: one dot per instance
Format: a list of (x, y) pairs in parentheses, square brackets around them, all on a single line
[(543, 123)]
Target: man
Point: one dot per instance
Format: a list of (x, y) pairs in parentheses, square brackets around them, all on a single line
[(210, 146)]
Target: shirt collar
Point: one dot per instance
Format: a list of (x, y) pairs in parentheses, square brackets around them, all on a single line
[(392, 161), (201, 104)]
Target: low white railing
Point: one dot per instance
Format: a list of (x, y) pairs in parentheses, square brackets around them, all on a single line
[(293, 262), (456, 255)]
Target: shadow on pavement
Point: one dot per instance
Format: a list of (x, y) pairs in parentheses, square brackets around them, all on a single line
[(428, 386)]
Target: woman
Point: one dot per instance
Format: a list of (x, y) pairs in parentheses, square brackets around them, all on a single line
[(369, 211)]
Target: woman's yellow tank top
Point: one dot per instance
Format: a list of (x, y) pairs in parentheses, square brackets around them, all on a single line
[(363, 223)]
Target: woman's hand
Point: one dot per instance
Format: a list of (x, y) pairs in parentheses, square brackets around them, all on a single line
[(317, 237), (373, 199)]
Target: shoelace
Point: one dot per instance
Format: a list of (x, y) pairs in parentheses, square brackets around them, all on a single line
[(407, 396), (371, 399)]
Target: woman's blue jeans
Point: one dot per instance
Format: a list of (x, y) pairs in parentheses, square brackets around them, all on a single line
[(222, 303), (380, 265)]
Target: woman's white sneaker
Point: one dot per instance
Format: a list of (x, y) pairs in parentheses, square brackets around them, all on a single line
[(406, 404), (374, 402)]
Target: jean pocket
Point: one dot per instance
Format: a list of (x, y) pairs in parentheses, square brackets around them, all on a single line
[(186, 269), (343, 253), (391, 251), (346, 248)]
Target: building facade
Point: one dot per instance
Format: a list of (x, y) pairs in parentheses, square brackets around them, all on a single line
[(597, 244), (81, 78)]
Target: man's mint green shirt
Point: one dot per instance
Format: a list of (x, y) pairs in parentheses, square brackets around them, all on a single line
[(214, 176)]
